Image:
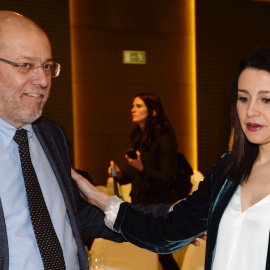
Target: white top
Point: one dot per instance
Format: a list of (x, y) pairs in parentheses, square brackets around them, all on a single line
[(242, 240)]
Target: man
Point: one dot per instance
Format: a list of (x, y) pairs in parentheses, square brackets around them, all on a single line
[(26, 69)]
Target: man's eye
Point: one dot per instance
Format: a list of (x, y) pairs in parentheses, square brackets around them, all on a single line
[(266, 100), (47, 66), (26, 65)]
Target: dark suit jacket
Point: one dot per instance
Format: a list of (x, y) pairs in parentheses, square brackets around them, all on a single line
[(190, 218), (84, 218)]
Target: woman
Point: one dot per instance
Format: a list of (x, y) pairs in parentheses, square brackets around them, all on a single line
[(232, 203), (153, 172)]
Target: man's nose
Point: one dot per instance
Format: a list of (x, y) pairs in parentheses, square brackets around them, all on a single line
[(40, 77)]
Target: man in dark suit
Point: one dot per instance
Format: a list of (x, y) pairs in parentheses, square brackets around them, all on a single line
[(26, 69)]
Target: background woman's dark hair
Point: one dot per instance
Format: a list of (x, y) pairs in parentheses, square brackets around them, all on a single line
[(155, 125), (244, 153)]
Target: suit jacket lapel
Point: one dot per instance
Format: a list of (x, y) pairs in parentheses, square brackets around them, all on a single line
[(51, 150), (56, 150), (4, 252), (61, 170)]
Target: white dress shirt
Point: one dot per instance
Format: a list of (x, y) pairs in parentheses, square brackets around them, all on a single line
[(23, 248), (242, 240)]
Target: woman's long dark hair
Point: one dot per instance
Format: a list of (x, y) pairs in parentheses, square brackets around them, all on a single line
[(244, 153), (155, 125)]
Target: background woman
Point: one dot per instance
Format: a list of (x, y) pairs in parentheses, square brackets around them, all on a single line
[(153, 172)]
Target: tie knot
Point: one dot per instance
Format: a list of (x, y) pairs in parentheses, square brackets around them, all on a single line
[(20, 136)]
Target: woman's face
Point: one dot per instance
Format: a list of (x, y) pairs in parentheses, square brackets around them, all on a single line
[(139, 112), (253, 105)]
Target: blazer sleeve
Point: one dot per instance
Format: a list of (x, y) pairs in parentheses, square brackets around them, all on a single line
[(92, 221), (168, 234)]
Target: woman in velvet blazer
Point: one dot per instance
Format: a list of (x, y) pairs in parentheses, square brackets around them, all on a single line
[(232, 203)]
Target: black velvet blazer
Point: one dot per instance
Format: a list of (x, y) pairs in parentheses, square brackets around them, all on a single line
[(200, 212)]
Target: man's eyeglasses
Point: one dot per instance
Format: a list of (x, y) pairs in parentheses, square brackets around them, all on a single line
[(50, 70)]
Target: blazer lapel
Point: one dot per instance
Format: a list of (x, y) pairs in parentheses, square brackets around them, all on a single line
[(268, 256), (219, 205)]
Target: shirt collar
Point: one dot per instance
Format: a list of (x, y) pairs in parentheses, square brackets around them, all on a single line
[(7, 132)]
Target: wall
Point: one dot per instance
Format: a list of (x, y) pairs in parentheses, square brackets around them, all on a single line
[(103, 87), (226, 32), (53, 18)]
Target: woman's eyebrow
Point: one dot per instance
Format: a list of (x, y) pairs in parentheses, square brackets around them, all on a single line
[(260, 92)]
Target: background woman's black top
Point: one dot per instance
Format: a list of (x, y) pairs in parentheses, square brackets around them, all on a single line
[(156, 183)]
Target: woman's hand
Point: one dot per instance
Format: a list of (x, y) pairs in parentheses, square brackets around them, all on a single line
[(197, 243), (112, 165), (135, 163), (88, 192)]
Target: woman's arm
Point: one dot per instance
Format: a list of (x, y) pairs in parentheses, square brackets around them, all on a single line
[(89, 192), (187, 221)]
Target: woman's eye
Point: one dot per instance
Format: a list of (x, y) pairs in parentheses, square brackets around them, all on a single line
[(243, 99)]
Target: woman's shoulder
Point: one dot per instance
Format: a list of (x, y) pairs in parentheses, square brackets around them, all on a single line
[(164, 134), (166, 138)]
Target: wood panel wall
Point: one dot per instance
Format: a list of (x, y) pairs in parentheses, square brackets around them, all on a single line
[(226, 31), (104, 87), (53, 17)]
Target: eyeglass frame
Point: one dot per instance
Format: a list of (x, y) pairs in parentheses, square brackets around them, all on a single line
[(58, 66)]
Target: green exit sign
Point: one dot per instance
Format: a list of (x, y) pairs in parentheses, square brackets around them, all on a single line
[(134, 57)]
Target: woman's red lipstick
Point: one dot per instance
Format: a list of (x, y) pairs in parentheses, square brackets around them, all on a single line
[(254, 126)]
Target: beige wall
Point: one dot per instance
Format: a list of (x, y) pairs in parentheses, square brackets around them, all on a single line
[(227, 31), (53, 17), (103, 87)]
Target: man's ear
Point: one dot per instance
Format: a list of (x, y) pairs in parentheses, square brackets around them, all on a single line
[(154, 112)]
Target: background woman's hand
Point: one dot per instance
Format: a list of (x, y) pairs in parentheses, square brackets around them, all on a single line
[(135, 163), (112, 165)]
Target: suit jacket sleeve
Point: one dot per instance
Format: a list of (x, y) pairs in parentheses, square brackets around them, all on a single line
[(84, 218)]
